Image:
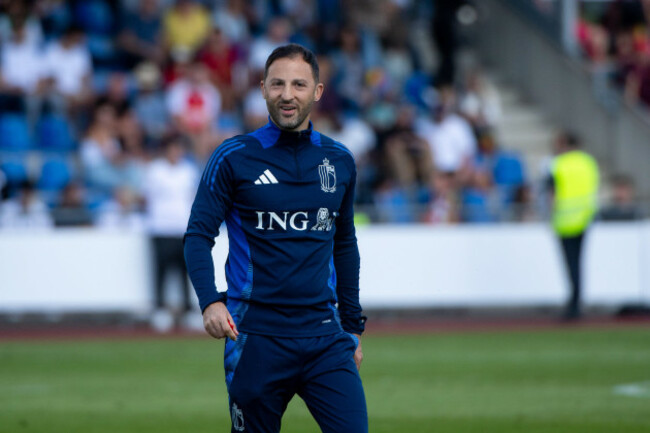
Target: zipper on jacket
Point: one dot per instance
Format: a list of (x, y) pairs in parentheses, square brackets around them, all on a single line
[(295, 158)]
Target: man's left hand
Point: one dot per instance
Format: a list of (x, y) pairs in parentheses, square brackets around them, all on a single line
[(358, 354)]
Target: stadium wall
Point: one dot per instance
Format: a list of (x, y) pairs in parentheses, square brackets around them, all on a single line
[(86, 270)]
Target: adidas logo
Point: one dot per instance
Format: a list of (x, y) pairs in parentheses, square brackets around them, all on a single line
[(266, 178)]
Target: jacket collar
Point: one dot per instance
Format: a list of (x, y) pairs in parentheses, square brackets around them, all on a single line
[(270, 134)]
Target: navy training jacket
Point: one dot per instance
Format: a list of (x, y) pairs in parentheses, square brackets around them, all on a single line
[(287, 200)]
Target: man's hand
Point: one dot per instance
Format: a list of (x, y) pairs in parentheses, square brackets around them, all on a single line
[(218, 322), (358, 354)]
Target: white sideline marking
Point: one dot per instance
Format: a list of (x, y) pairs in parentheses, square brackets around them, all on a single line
[(29, 388), (640, 389)]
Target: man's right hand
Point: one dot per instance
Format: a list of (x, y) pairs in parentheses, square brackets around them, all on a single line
[(218, 322)]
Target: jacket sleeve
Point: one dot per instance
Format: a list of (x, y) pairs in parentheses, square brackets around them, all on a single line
[(347, 263), (211, 204)]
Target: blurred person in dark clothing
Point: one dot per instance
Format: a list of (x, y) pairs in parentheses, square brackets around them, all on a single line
[(637, 84), (623, 205), (4, 187), (574, 183), (141, 35), (350, 70), (446, 38), (72, 210)]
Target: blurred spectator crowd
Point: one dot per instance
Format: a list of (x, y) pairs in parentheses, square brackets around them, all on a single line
[(615, 37), (95, 93)]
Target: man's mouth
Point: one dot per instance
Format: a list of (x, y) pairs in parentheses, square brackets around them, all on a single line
[(287, 110)]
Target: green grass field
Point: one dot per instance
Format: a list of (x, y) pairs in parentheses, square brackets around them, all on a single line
[(559, 380)]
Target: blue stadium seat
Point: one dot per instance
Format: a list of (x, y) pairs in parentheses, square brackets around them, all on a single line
[(54, 134), (508, 169), (15, 172), (95, 17), (55, 174), (14, 132)]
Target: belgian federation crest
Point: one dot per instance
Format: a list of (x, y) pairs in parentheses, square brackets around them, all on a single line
[(327, 175), (237, 417)]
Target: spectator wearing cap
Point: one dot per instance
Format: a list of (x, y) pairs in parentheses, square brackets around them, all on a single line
[(149, 105)]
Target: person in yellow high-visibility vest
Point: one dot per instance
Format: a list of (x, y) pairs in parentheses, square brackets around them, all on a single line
[(575, 179)]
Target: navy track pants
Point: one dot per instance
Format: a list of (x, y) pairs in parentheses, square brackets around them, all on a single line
[(263, 373)]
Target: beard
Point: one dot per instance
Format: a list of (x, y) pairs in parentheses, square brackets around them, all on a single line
[(292, 122)]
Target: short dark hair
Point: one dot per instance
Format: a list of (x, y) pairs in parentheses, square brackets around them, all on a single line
[(572, 139), (293, 50)]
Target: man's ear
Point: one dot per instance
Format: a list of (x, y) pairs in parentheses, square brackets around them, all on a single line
[(318, 92), (263, 89)]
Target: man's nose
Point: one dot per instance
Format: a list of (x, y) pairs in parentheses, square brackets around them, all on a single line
[(287, 93)]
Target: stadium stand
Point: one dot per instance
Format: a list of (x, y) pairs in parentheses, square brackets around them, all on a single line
[(384, 93)]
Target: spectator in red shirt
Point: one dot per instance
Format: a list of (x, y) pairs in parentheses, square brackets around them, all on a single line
[(219, 56)]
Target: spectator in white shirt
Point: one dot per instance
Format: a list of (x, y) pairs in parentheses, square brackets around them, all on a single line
[(121, 212), (232, 21), (68, 66), (27, 211), (480, 104), (169, 187), (21, 72), (17, 10), (278, 32), (452, 141)]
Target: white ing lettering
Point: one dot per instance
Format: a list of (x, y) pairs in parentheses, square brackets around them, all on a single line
[(298, 221), (275, 217), (260, 215), (304, 222)]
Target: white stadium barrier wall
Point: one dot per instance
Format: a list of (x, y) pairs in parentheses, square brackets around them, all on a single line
[(79, 270)]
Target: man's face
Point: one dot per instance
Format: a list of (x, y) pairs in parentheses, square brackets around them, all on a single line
[(290, 91)]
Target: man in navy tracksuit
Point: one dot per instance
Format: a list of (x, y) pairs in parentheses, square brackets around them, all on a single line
[(291, 312)]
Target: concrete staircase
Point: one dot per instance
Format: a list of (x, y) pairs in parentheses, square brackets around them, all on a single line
[(524, 129)]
